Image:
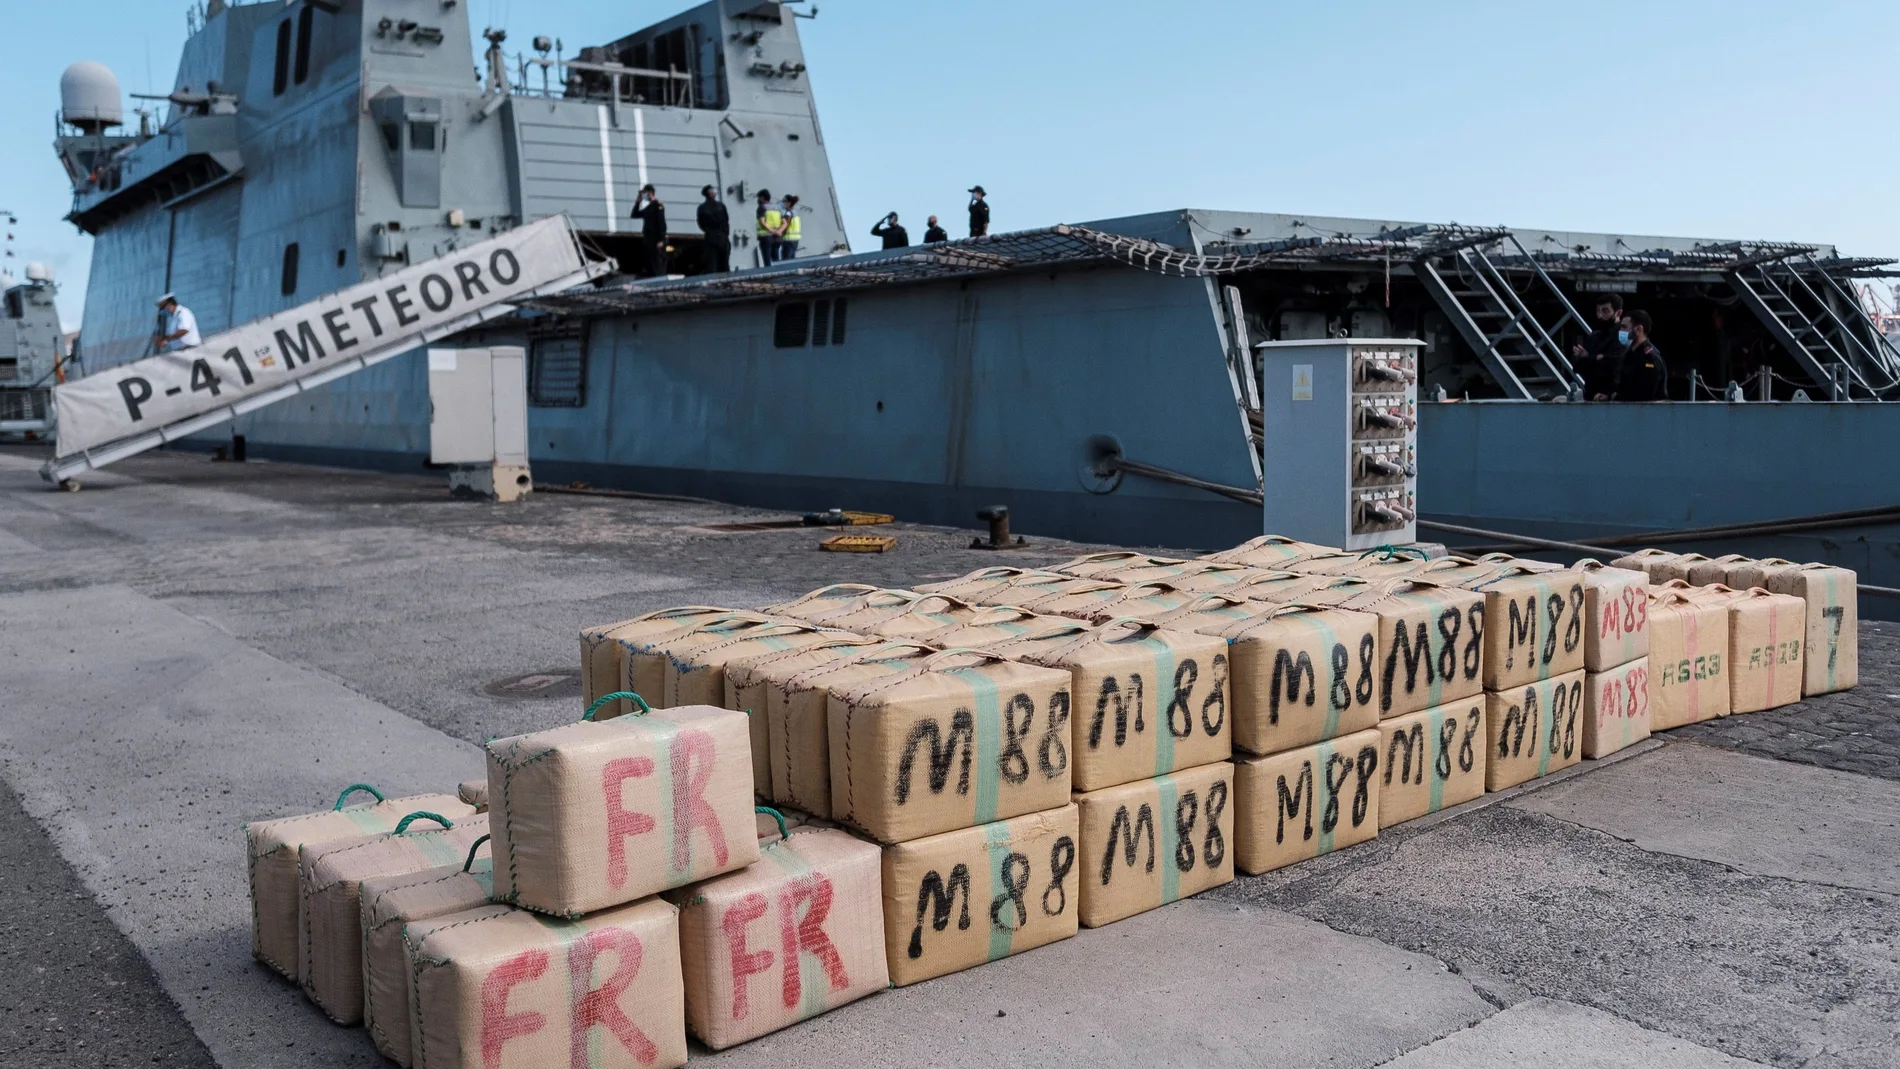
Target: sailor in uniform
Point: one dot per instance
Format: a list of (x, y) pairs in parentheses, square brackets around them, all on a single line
[(177, 327)]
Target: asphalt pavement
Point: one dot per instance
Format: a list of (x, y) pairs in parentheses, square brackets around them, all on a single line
[(192, 644)]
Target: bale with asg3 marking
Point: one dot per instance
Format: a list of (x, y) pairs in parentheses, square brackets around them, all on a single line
[(1688, 660)]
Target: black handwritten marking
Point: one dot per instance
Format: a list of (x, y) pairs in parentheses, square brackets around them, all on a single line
[(1554, 609), (1367, 766), (1052, 753), (1339, 690), (1368, 652), (1187, 811), (1450, 623), (1185, 676), (1413, 740), (1837, 614), (1061, 863), (938, 897), (1474, 649), (1112, 692), (1287, 673), (1012, 764), (1335, 763), (1291, 802), (1015, 877), (1216, 700), (1416, 652), (1573, 631), (963, 728), (1447, 734), (1214, 844), (1520, 628), (1127, 833), (1467, 754), (1522, 715)]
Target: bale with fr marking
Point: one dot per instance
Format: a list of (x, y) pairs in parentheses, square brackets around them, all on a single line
[(1154, 841), (1434, 759), (592, 815), (1532, 730), (275, 847), (330, 946), (959, 738), (506, 989), (796, 935), (965, 897), (1301, 804)]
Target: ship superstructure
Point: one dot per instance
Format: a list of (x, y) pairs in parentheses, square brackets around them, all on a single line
[(32, 351), (306, 146)]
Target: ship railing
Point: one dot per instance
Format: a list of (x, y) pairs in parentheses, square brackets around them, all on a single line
[(567, 78)]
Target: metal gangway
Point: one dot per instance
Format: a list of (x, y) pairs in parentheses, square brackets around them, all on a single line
[(1521, 352), (125, 410)]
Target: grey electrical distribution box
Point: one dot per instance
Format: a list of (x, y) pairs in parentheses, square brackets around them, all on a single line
[(1340, 447), (478, 419)]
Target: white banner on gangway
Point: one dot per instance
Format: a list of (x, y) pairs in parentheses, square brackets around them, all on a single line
[(383, 316)]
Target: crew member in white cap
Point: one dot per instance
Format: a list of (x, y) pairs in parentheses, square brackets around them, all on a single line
[(177, 327)]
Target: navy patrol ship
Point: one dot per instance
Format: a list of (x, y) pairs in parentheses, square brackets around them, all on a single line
[(1102, 379)]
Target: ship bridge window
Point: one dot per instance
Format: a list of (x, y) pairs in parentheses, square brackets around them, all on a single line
[(280, 78), (422, 136), (289, 281), (16, 305), (797, 324)]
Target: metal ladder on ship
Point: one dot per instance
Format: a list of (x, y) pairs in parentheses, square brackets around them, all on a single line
[(1492, 318), (1820, 323)]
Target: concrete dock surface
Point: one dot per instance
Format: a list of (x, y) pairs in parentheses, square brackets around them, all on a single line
[(186, 645)]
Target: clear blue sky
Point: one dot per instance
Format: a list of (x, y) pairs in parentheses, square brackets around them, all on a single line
[(1740, 118)]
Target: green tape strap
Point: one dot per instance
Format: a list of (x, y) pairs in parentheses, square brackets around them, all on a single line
[(1170, 838), (1542, 737), (989, 740), (1328, 639), (1164, 700), (996, 841), (1322, 786)]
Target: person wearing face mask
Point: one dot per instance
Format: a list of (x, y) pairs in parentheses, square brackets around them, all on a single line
[(1644, 376), (1600, 355)]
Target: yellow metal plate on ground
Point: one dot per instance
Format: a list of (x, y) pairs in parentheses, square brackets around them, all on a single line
[(858, 543), (860, 519)]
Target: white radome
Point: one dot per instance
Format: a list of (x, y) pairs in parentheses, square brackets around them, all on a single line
[(89, 96), (38, 272)]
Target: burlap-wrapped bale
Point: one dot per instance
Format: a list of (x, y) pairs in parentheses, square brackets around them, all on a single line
[(1832, 658), (1151, 701), (1029, 591), (748, 690), (1289, 586), (1648, 561), (1766, 636), (1300, 804), (330, 945), (796, 935), (1536, 621), (1301, 673), (1676, 567), (798, 718), (1615, 708), (603, 657), (1368, 566), (274, 848), (977, 586), (820, 603), (1154, 841), (644, 658), (1616, 615), (958, 739), (961, 898), (1103, 600), (389, 903), (1269, 551), (1688, 660), (594, 814), (1124, 567), (872, 609), (505, 989), (1433, 758), (1715, 570), (930, 613), (1431, 640), (999, 623), (1746, 575), (473, 792), (1533, 730), (696, 662)]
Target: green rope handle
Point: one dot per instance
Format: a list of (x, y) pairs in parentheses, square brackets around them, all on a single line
[(1392, 552), (616, 696), (352, 789), (403, 824), (775, 815), (472, 847)]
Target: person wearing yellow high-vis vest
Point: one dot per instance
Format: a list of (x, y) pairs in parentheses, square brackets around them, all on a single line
[(790, 230), (771, 222)]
